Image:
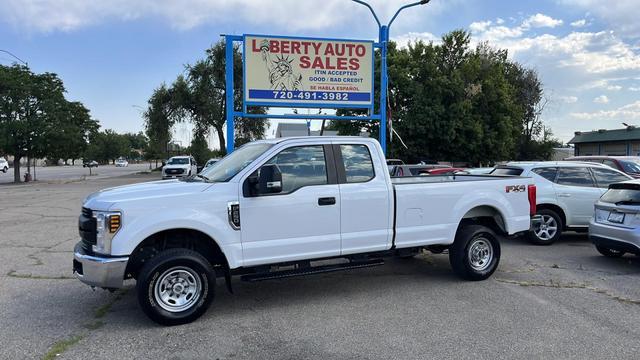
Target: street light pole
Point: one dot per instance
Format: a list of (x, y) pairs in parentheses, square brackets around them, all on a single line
[(383, 40)]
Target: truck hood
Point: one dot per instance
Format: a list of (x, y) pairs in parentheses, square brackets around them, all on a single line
[(105, 199)]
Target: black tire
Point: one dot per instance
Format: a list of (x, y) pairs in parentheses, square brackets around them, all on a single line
[(540, 236), (194, 269), (5, 169), (609, 252), (471, 245)]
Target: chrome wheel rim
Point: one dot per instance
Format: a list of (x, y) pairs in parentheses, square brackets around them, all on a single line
[(480, 253), (177, 289), (547, 228)]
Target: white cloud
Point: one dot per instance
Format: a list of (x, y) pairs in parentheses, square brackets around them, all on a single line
[(480, 25), (600, 52), (602, 99), (621, 15), (540, 20), (68, 15), (626, 112), (499, 21), (568, 99), (614, 87), (579, 23), (412, 37), (631, 88)]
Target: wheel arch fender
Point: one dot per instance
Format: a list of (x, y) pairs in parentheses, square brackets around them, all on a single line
[(215, 231)]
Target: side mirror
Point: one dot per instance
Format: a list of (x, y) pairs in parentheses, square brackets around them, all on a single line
[(270, 181)]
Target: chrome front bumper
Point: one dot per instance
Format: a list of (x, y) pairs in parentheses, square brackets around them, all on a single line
[(94, 270)]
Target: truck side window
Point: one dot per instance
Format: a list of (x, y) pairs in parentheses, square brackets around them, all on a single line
[(358, 166), (301, 166), (575, 176)]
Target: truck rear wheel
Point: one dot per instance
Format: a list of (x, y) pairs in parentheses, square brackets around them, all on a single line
[(475, 253), (176, 287)]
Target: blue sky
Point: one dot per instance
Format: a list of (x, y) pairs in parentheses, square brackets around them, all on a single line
[(111, 54)]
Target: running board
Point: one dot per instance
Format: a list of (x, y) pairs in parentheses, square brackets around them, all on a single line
[(310, 270)]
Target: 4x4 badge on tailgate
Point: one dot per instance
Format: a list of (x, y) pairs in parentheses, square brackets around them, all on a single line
[(515, 188)]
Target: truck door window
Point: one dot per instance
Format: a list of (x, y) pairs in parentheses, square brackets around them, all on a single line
[(605, 177), (301, 166), (358, 166), (575, 176)]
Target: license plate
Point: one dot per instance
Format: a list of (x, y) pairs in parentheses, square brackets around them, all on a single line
[(616, 217)]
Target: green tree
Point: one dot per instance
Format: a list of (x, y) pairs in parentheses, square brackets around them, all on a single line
[(35, 118), (450, 101), (199, 96)]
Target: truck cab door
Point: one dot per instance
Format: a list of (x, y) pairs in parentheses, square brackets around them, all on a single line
[(366, 218), (298, 218)]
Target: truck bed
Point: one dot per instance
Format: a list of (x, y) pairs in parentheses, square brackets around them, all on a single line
[(429, 208)]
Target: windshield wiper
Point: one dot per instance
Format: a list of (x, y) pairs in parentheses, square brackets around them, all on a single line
[(202, 176)]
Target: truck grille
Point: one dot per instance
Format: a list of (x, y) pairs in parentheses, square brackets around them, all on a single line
[(87, 228), (174, 171)]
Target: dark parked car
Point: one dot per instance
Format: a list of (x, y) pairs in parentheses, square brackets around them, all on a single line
[(627, 164), (90, 164)]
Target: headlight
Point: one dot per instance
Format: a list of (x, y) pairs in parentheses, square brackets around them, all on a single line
[(107, 225)]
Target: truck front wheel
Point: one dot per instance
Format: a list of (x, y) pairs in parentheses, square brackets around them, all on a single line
[(176, 287), (475, 253)]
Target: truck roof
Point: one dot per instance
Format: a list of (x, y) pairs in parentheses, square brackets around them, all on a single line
[(328, 138)]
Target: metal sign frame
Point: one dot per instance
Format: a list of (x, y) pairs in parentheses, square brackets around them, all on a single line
[(231, 112)]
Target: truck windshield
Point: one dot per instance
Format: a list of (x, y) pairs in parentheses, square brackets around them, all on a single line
[(233, 163), (178, 161)]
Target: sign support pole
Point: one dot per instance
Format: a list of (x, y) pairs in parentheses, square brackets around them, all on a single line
[(229, 93), (383, 38)]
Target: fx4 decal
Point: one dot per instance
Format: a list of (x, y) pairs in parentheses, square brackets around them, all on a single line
[(515, 188)]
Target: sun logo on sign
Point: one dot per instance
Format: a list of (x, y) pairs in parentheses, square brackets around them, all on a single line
[(281, 74)]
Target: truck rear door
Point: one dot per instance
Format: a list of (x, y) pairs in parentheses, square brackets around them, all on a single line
[(366, 218)]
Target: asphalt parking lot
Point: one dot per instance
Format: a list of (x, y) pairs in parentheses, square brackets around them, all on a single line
[(77, 172), (564, 301)]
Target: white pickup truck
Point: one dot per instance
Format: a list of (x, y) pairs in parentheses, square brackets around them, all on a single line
[(286, 207)]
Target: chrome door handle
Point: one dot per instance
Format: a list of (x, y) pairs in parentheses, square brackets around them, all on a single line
[(564, 195)]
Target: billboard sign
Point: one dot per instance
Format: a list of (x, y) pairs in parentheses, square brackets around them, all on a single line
[(307, 72)]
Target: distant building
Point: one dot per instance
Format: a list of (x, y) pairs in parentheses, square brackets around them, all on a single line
[(618, 142), (299, 129)]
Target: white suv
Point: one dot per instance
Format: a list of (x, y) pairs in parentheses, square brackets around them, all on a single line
[(4, 165), (566, 193)]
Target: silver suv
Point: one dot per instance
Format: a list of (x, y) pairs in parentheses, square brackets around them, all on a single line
[(615, 226)]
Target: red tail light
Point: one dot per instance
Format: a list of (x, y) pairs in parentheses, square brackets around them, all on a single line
[(532, 199)]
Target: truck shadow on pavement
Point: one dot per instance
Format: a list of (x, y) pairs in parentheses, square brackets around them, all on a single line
[(397, 276)]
